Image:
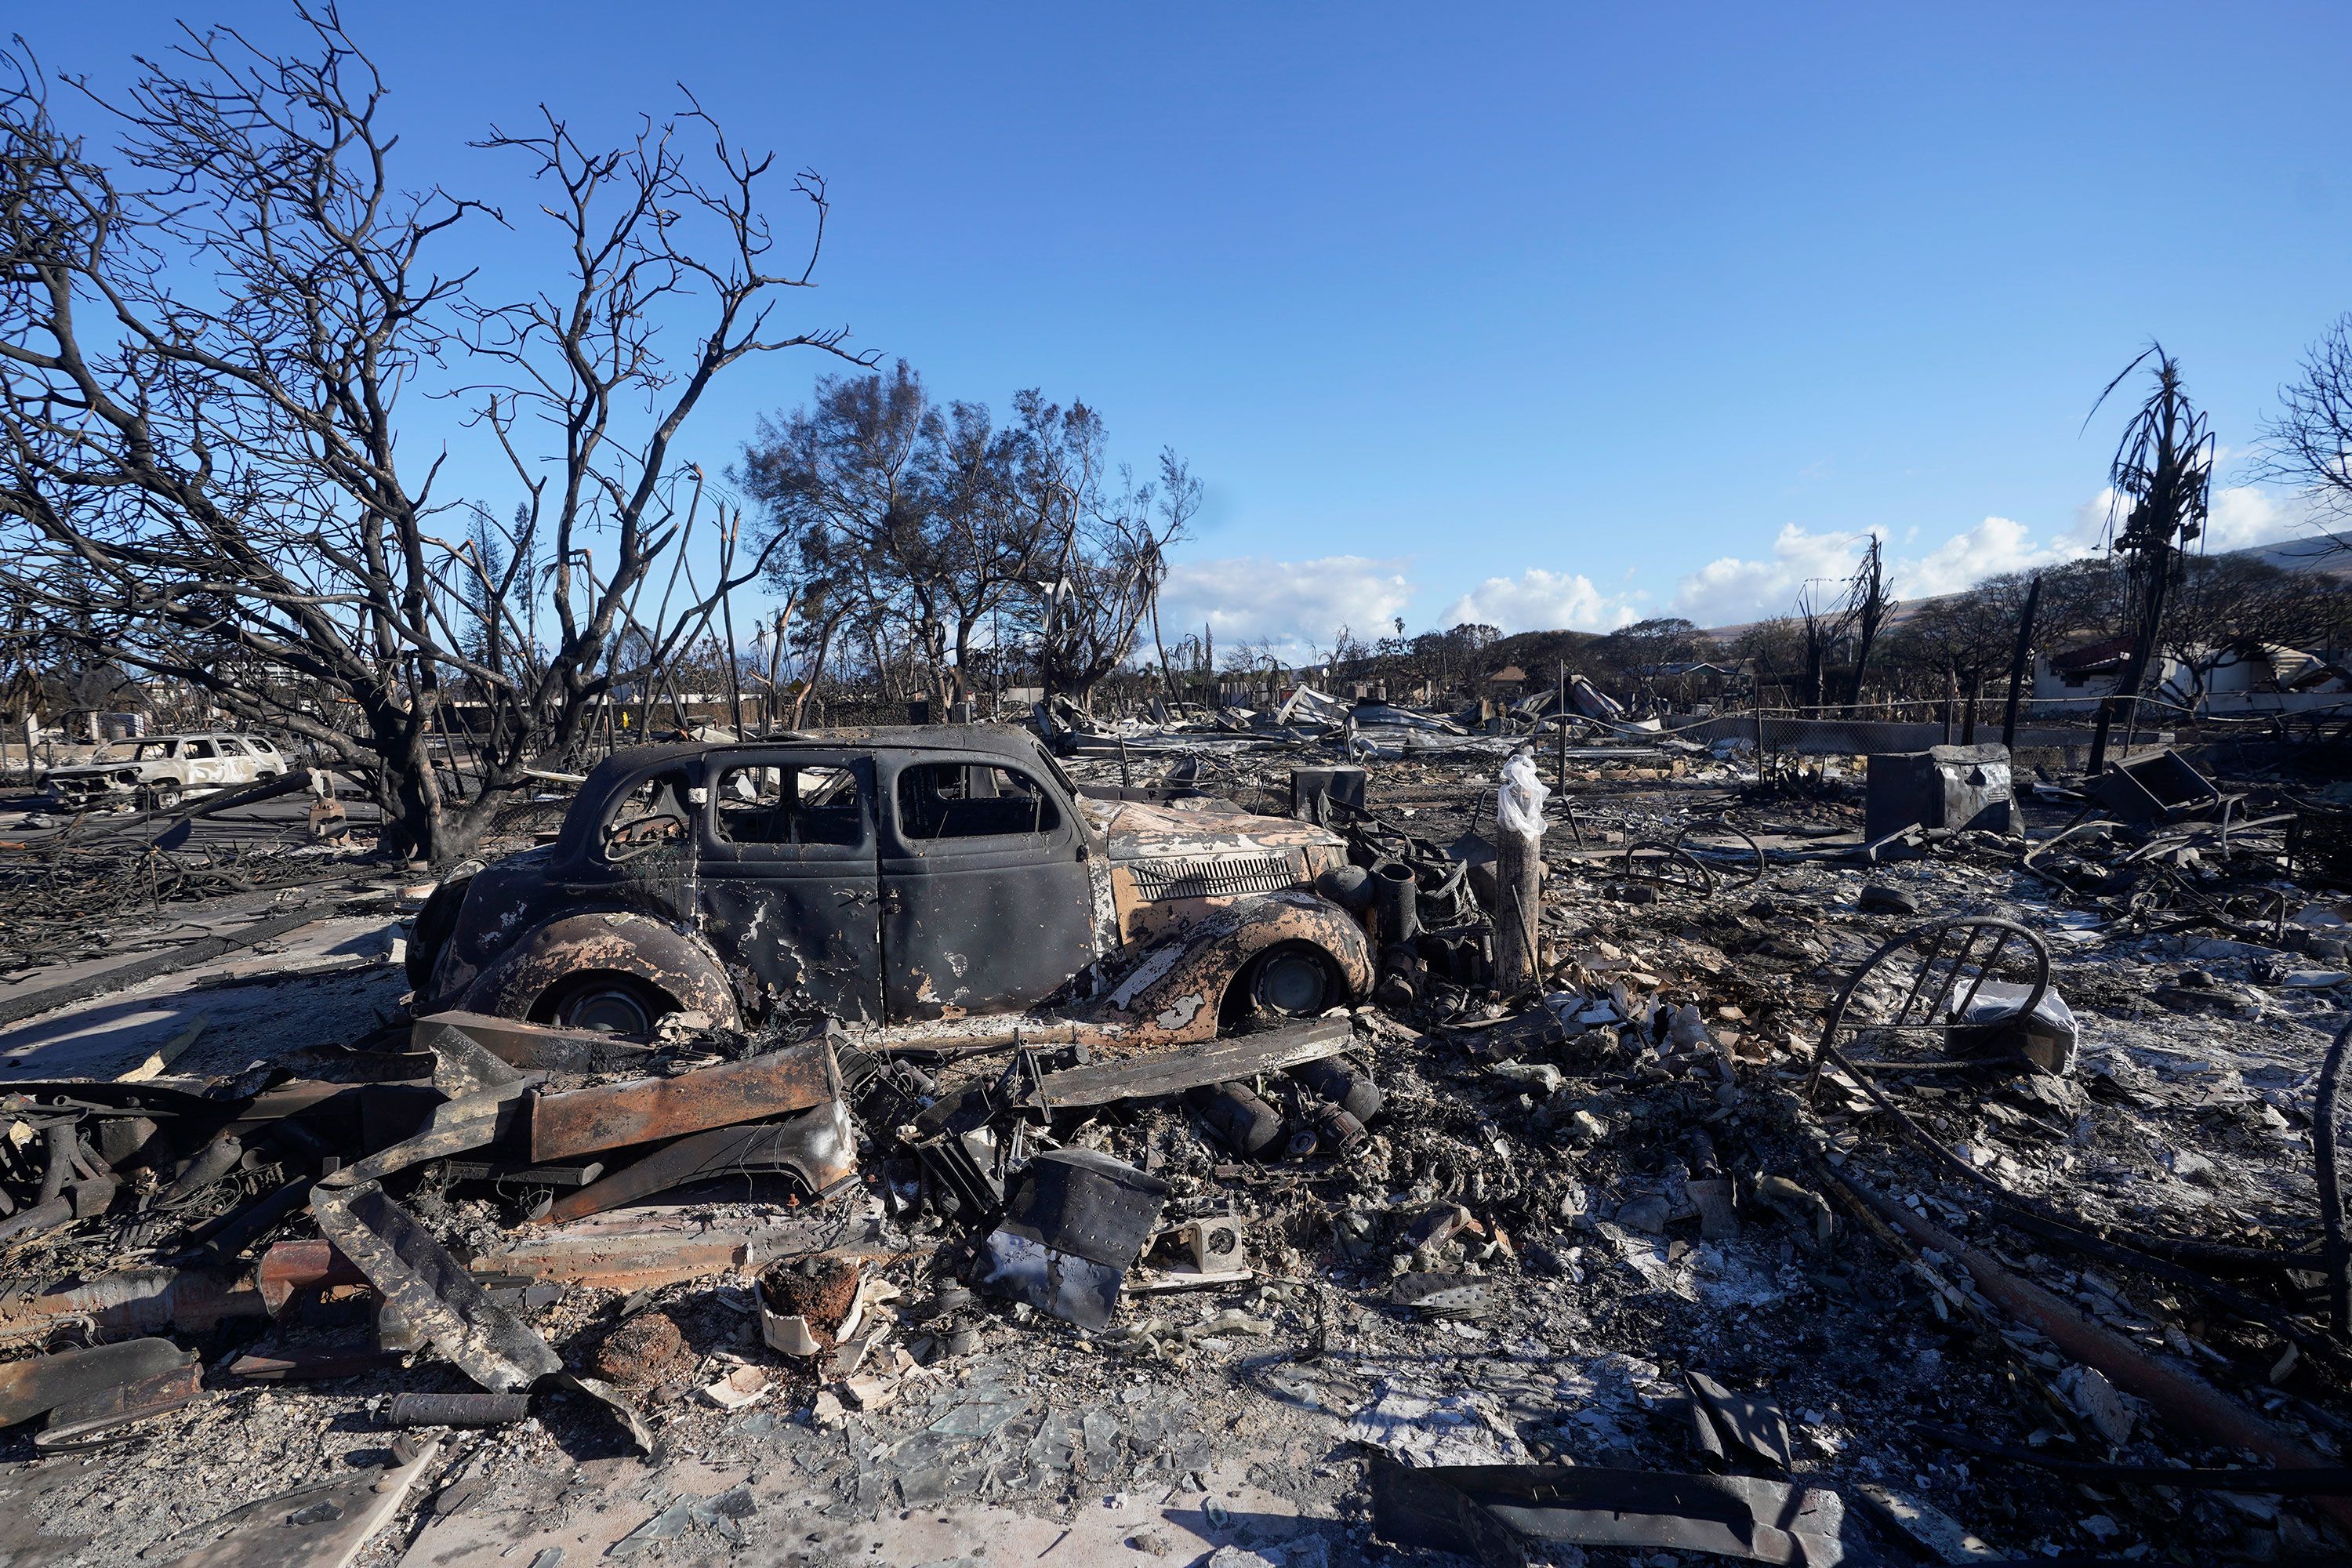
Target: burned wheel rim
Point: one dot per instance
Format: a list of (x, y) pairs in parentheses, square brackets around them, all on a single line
[(1937, 970), (1292, 982), (613, 1005)]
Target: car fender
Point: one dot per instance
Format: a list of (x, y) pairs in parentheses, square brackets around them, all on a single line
[(1174, 989), (617, 940)]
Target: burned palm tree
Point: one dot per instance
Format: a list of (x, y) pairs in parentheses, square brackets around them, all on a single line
[(1825, 627), (1868, 604), (2159, 481)]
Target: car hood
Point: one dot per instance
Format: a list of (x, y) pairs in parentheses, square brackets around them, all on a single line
[(1204, 829)]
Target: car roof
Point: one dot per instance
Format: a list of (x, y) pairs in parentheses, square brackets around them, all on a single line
[(999, 740), (631, 761)]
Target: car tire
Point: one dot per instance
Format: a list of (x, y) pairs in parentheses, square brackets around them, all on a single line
[(604, 1003), (166, 795), (1287, 982)]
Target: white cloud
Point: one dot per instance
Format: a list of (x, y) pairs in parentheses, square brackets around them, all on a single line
[(1540, 601), (1995, 545), (1295, 603), (2240, 515), (1728, 591)]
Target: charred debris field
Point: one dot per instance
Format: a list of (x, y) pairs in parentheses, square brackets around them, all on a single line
[(1921, 1158)]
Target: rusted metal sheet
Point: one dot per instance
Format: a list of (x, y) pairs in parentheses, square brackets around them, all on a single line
[(291, 1266), (818, 1145), (416, 1274), (584, 1120), (1193, 1066), (1170, 865), (30, 1388), (99, 1418)]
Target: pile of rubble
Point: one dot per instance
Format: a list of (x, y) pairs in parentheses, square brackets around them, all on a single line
[(1842, 1185)]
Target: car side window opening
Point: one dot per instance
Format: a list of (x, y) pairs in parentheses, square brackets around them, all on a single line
[(229, 748), (811, 804), (199, 749), (972, 800), (650, 815)]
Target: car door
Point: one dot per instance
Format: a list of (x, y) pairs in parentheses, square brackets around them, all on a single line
[(203, 763), (985, 903), (236, 763), (789, 886)]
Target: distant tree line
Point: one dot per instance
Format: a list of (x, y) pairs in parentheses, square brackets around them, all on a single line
[(931, 550)]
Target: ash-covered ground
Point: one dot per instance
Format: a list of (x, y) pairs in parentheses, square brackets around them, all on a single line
[(1634, 1180)]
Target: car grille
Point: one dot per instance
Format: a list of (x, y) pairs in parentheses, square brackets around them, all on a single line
[(1159, 880)]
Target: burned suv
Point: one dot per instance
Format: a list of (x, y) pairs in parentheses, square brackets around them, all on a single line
[(158, 770), (889, 875)]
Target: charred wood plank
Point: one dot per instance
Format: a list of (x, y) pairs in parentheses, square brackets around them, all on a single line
[(1193, 1066)]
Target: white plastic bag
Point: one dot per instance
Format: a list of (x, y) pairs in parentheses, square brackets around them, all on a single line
[(1519, 803)]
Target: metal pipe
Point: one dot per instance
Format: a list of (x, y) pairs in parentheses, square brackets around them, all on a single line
[(1396, 907), (2181, 1397), (473, 1409)]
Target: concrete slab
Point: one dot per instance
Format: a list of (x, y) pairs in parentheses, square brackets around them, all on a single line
[(790, 1524), (249, 1018)]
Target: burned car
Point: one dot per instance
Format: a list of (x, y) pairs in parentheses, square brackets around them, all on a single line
[(158, 770), (889, 875)]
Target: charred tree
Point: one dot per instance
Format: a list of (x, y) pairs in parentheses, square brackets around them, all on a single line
[(2161, 479), (206, 340)]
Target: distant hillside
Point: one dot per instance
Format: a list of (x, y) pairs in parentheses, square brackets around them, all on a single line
[(2321, 555)]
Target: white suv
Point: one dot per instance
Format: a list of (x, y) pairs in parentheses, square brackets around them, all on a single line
[(158, 770)]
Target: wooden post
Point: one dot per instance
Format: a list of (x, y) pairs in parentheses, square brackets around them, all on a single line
[(1518, 924), (2017, 658), (1560, 703)]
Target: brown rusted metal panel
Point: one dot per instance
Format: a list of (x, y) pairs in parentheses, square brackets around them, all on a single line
[(27, 1388), (291, 1266), (99, 1418), (818, 1145), (584, 1120)]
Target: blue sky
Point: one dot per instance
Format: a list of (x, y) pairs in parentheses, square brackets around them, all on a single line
[(1545, 315)]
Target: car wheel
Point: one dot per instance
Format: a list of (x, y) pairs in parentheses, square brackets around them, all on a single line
[(607, 1003), (167, 796), (1289, 980)]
